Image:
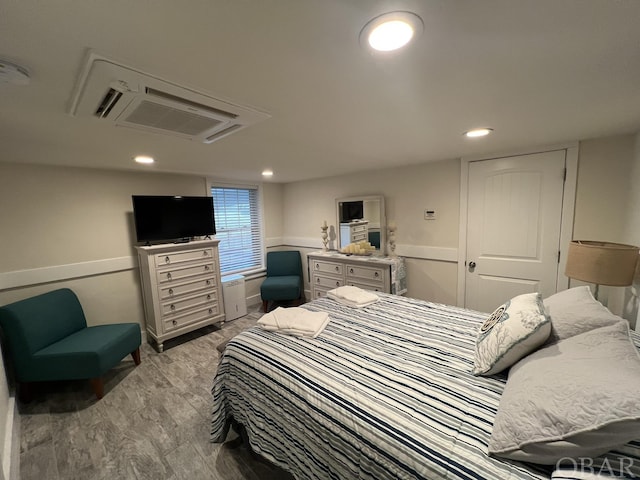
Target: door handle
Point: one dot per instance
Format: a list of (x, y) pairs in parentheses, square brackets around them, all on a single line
[(472, 264)]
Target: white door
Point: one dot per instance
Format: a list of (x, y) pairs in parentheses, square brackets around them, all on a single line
[(514, 213)]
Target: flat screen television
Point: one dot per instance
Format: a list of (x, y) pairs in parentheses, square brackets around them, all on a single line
[(350, 211), (172, 218)]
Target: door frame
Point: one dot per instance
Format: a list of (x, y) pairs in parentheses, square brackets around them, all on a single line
[(568, 209)]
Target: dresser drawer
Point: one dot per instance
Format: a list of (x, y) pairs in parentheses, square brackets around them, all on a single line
[(321, 266), (358, 237), (178, 306), (320, 292), (366, 286), (326, 282), (369, 274), (198, 315), (176, 290), (178, 273), (164, 259)]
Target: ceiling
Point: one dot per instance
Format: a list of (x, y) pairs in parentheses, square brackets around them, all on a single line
[(539, 72)]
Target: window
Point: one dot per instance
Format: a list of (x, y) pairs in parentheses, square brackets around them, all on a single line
[(238, 227)]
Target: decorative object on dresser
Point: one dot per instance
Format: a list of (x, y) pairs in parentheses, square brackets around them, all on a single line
[(324, 235), (392, 239), (329, 270), (602, 263), (181, 288), (361, 219)]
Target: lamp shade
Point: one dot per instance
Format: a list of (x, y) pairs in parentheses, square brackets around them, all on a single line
[(602, 263)]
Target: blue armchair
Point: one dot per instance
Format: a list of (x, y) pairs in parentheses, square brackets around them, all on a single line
[(47, 338), (284, 280)]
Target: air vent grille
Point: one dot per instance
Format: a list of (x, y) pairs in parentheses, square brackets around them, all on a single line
[(222, 133), (108, 101), (163, 117), (124, 96), (184, 101)]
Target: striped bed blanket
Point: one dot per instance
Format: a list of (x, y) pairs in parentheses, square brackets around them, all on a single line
[(385, 392)]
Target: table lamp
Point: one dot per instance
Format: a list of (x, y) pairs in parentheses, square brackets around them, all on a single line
[(602, 263)]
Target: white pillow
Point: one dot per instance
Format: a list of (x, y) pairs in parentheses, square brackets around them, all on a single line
[(513, 330), (575, 311), (575, 398)]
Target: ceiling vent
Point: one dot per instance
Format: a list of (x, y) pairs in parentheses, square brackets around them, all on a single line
[(129, 98)]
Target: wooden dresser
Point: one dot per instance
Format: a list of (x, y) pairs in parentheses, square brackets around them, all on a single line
[(328, 270), (181, 288)]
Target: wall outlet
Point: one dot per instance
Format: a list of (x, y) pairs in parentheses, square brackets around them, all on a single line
[(429, 214)]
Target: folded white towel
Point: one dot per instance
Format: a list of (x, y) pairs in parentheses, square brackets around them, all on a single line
[(296, 321), (353, 296)]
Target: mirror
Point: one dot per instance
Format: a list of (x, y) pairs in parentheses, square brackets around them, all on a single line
[(362, 218)]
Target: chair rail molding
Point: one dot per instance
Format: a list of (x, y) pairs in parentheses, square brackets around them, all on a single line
[(56, 273)]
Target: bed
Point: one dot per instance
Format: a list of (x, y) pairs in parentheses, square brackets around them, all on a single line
[(385, 392)]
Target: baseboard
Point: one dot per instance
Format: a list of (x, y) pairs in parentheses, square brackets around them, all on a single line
[(11, 452)]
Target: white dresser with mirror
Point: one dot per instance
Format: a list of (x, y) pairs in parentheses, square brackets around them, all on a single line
[(331, 269)]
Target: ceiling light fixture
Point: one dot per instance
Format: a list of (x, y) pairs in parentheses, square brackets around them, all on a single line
[(144, 159), (391, 31), (478, 132), (267, 173)]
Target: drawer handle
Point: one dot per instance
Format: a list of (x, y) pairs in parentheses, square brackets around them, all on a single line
[(205, 253), (171, 291), (337, 284), (175, 322), (318, 280), (337, 268), (210, 311), (169, 276), (351, 270), (376, 274), (209, 297), (206, 268), (172, 307), (167, 260), (317, 266), (208, 282)]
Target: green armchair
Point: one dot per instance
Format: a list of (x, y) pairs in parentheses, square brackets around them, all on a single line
[(47, 338), (284, 280)]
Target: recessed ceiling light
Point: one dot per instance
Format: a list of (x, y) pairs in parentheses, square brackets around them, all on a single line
[(144, 159), (267, 173), (478, 132), (391, 31)]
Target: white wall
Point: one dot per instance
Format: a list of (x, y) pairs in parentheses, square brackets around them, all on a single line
[(73, 227), (428, 245), (57, 221), (607, 200), (631, 234)]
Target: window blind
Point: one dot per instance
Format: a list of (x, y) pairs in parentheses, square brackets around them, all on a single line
[(238, 227)]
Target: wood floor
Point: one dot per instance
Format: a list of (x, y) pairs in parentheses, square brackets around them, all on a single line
[(153, 422)]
